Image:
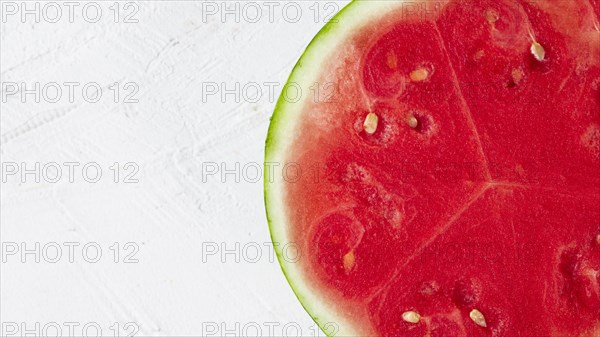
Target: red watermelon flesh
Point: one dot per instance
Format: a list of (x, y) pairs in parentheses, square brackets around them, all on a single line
[(473, 208)]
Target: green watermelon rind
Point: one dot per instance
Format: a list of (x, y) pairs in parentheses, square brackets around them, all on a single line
[(280, 136)]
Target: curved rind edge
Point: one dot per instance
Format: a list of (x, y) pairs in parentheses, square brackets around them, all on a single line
[(306, 71)]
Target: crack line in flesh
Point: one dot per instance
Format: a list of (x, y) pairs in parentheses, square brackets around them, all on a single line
[(466, 109), (441, 230), (453, 219)]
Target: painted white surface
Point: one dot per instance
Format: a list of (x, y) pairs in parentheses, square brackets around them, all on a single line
[(174, 51)]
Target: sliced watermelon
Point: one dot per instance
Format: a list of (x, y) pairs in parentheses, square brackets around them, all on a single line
[(446, 179)]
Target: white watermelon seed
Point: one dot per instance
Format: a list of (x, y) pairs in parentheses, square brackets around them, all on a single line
[(492, 16), (370, 124), (411, 317), (391, 60), (517, 75), (478, 55), (419, 74), (477, 317), (598, 239), (538, 51), (349, 261), (412, 121)]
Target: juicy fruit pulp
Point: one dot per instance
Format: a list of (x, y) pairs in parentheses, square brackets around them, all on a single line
[(455, 172)]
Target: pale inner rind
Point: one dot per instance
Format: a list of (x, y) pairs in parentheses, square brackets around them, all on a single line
[(308, 71)]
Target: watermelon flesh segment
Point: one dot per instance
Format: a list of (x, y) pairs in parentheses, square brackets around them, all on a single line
[(522, 122), (473, 208), (492, 260)]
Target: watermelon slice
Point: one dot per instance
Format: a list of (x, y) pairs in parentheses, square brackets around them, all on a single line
[(441, 173)]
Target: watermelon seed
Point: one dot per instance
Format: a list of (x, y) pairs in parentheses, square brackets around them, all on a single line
[(538, 51), (411, 317), (370, 124), (429, 288), (412, 121), (477, 317), (516, 77), (349, 261), (492, 16), (391, 60), (478, 55), (418, 75), (598, 239)]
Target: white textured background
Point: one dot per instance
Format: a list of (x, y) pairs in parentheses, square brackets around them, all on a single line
[(174, 51)]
